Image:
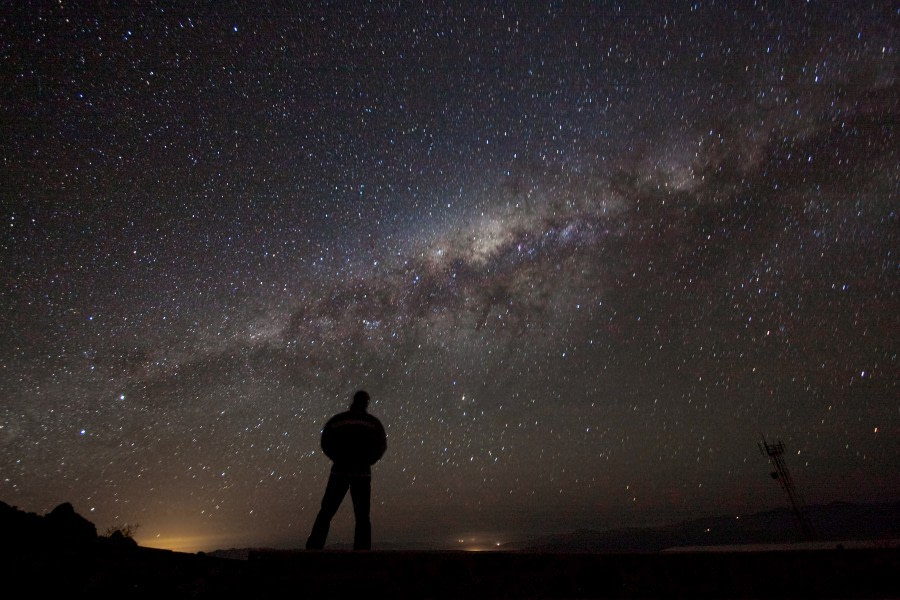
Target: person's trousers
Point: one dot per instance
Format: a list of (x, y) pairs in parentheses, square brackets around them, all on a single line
[(360, 487)]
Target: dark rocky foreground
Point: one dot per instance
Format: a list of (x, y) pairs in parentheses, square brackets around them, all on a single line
[(60, 555), (103, 570)]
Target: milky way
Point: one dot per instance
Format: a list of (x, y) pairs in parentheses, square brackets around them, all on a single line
[(581, 257)]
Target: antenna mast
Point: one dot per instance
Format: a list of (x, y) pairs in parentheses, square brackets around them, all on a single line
[(775, 452)]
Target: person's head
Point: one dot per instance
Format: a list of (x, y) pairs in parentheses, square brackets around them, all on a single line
[(360, 400)]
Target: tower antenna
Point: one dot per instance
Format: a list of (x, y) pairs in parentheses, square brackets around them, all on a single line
[(775, 452)]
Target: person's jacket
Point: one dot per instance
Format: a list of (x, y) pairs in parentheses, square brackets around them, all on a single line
[(354, 440)]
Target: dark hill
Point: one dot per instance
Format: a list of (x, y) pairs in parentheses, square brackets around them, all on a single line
[(61, 556), (62, 525), (833, 522)]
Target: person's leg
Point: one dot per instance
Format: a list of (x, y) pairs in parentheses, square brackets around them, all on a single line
[(360, 493), (331, 501)]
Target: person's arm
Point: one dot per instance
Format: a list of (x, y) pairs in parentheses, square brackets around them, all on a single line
[(380, 445), (328, 440)]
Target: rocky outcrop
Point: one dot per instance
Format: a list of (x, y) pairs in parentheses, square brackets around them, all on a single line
[(61, 526), (66, 525)]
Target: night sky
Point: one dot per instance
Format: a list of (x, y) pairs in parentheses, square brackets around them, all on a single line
[(581, 255)]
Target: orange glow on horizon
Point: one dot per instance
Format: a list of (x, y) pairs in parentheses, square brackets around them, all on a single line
[(186, 543), (479, 544), (192, 543)]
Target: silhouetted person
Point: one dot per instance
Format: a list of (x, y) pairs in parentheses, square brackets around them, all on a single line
[(354, 441)]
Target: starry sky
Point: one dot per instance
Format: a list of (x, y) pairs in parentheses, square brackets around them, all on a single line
[(582, 255)]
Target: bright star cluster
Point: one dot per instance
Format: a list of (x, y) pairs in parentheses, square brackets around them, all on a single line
[(581, 256)]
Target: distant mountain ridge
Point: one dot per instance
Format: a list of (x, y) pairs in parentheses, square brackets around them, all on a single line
[(59, 555), (839, 521), (833, 522), (61, 525)]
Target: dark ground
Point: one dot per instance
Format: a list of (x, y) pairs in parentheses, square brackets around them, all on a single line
[(60, 555), (103, 571)]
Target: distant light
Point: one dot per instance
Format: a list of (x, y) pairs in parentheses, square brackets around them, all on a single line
[(82, 432)]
